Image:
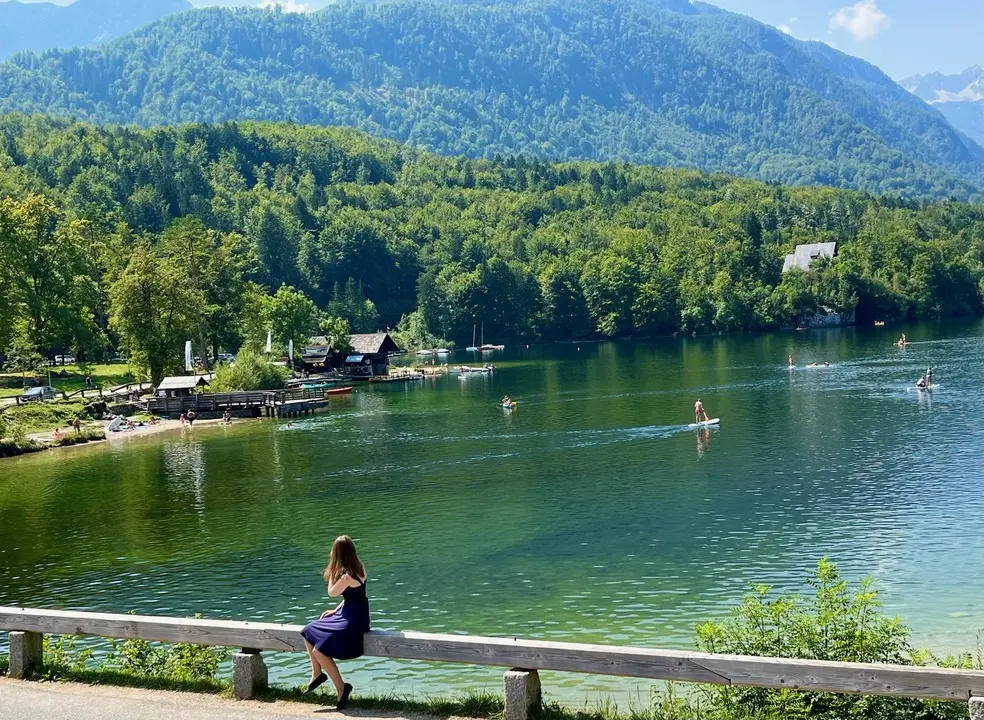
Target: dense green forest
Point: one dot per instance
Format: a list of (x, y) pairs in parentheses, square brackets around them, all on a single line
[(665, 82), (145, 238)]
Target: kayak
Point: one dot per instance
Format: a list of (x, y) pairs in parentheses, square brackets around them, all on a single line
[(338, 391), (706, 423)]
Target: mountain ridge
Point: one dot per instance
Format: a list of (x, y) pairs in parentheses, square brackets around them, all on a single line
[(959, 97), (668, 82)]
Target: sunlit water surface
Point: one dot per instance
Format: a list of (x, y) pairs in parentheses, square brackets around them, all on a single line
[(591, 514)]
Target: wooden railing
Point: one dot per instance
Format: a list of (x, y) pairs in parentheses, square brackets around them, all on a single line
[(522, 687), (242, 399)]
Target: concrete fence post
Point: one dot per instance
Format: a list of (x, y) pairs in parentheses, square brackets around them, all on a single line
[(26, 653), (249, 674), (522, 693), (977, 708)]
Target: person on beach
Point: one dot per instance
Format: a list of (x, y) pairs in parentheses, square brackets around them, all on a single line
[(338, 633), (182, 419), (190, 417), (699, 411)]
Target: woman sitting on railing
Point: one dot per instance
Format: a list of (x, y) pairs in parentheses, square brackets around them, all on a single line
[(338, 633)]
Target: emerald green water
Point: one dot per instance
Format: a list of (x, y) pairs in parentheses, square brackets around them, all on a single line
[(591, 514)]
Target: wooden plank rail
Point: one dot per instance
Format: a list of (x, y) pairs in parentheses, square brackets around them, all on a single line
[(531, 655)]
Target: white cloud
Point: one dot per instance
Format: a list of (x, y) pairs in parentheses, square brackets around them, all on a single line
[(786, 29), (290, 6), (862, 21)]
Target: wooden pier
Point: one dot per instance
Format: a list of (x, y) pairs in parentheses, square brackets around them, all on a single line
[(271, 403)]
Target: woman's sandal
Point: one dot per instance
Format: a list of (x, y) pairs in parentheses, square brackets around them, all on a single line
[(314, 684), (343, 700)]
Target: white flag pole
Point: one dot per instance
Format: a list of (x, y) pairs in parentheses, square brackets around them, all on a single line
[(269, 345), (188, 366)]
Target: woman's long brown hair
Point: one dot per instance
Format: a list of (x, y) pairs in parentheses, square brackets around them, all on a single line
[(344, 559)]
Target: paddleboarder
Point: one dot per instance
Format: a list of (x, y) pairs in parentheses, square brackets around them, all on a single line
[(699, 411)]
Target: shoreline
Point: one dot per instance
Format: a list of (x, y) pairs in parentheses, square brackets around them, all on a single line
[(46, 438)]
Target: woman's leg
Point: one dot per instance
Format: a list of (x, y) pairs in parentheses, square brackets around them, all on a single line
[(315, 666), (332, 669)]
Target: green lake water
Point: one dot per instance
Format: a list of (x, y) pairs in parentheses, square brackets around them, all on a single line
[(591, 514)]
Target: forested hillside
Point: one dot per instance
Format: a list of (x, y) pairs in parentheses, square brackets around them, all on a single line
[(665, 82), (42, 26), (219, 232)]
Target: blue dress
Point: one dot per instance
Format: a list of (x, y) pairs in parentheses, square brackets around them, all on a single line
[(339, 636)]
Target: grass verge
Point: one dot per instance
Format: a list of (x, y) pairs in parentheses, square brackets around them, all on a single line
[(479, 706)]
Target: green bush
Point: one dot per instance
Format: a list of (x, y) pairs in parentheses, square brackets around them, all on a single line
[(251, 371), (4, 664), (135, 658), (836, 622), (181, 661), (9, 447), (84, 435)]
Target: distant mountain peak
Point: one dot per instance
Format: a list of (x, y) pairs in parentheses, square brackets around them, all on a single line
[(935, 87), (43, 26)]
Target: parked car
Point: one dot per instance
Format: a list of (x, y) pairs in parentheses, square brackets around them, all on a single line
[(226, 357), (64, 359), (41, 392)]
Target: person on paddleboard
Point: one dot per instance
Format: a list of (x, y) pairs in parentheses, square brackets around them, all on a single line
[(699, 411), (790, 361)]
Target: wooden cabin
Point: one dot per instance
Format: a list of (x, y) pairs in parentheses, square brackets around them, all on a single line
[(368, 355), (181, 385)]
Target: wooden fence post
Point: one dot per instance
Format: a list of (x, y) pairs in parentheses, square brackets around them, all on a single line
[(249, 674), (26, 653), (977, 708), (522, 693)]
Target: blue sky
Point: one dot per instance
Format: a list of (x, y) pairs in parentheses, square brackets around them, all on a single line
[(902, 37)]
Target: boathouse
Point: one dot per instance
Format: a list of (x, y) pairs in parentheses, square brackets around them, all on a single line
[(181, 385), (367, 355), (804, 255)]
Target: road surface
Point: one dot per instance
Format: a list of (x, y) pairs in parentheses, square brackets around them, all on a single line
[(21, 700)]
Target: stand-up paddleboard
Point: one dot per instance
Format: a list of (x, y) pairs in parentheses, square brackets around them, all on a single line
[(790, 366), (934, 386), (706, 423)]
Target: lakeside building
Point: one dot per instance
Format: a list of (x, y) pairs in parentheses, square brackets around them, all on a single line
[(804, 255), (368, 355), (181, 385)]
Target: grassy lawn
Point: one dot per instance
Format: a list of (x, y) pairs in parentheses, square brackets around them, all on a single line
[(40, 416), (104, 376)]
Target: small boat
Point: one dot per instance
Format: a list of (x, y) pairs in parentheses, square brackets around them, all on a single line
[(442, 351), (425, 352), (338, 391), (473, 347), (396, 378)]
